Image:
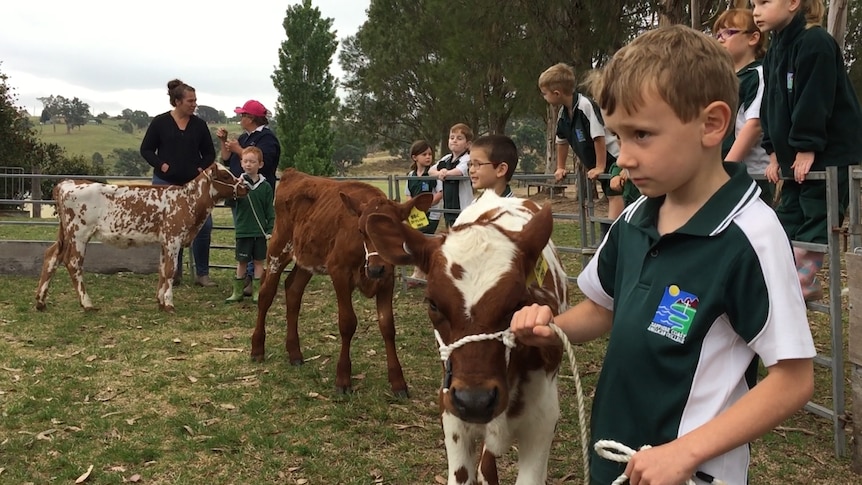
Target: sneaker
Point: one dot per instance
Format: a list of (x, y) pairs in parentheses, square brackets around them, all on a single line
[(204, 281)]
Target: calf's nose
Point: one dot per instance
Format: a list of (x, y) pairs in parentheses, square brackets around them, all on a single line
[(475, 405)]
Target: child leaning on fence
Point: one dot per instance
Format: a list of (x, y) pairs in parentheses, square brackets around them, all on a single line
[(736, 31), (691, 282), (811, 120), (255, 217), (457, 194), (580, 125)]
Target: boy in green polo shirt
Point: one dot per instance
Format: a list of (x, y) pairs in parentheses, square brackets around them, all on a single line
[(692, 281), (255, 217)]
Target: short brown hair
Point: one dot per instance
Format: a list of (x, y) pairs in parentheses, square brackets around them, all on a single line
[(741, 18), (684, 67), (559, 77), (254, 150), (500, 148), (463, 129)]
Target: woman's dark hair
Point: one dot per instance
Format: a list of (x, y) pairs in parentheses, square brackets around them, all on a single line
[(177, 91)]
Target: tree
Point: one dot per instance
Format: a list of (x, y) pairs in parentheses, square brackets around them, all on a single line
[(210, 114), (98, 160), (529, 136), (74, 111), (130, 162), (306, 90), (348, 144)]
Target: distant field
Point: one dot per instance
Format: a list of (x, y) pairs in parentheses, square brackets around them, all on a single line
[(90, 138)]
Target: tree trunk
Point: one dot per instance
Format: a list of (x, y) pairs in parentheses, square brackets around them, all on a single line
[(695, 14), (837, 21)]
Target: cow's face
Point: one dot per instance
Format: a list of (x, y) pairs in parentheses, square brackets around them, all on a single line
[(375, 266), (224, 184), (477, 278)]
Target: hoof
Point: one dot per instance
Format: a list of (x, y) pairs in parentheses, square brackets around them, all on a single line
[(40, 306), (297, 362), (402, 394), (167, 308), (343, 391), (257, 358), (90, 309)]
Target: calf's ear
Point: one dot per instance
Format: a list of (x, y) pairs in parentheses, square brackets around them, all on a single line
[(535, 234), (352, 205), (399, 243)]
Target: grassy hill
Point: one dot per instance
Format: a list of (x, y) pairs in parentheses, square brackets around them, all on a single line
[(90, 138)]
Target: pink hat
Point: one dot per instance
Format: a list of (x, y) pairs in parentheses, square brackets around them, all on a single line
[(251, 107)]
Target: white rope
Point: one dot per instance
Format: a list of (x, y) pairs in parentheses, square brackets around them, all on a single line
[(506, 336), (579, 394), (607, 449)]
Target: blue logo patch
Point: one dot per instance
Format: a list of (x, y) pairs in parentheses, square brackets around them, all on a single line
[(579, 133), (790, 81), (674, 314)]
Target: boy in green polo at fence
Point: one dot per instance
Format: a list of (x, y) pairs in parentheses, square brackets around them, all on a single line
[(692, 281), (255, 217)]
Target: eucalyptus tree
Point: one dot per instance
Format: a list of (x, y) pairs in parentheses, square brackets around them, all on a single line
[(306, 90)]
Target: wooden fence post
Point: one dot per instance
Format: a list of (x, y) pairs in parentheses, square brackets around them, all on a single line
[(854, 286)]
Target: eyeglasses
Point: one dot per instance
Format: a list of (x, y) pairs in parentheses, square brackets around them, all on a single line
[(728, 33), (478, 165)]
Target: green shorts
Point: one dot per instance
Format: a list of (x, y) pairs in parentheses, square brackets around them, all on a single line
[(250, 249)]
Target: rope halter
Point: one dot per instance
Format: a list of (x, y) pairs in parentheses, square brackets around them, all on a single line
[(506, 336), (235, 186), (368, 254), (620, 453)]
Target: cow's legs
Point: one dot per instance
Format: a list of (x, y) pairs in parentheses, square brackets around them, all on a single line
[(294, 287), (278, 256), (488, 468), (49, 267), (386, 323), (346, 328), (460, 450), (75, 265), (535, 432), (167, 267)]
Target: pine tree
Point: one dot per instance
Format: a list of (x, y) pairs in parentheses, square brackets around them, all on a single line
[(306, 90)]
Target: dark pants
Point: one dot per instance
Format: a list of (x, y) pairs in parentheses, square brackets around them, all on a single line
[(802, 208), (249, 270), (200, 244)]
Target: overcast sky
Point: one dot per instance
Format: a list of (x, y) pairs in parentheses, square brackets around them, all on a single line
[(115, 55)]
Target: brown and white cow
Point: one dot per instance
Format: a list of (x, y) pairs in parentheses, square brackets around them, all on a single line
[(319, 224), (497, 258), (132, 215)]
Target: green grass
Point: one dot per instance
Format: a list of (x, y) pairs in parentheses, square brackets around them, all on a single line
[(91, 138), (175, 398)]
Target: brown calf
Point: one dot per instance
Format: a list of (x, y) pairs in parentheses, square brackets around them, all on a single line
[(319, 224), (131, 215)]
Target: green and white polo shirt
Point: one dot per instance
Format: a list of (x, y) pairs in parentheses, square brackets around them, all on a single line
[(691, 309)]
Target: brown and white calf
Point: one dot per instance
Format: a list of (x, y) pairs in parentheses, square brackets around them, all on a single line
[(497, 258), (320, 226), (131, 215)]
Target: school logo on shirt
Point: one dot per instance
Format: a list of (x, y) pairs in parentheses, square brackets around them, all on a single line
[(579, 133), (674, 314)]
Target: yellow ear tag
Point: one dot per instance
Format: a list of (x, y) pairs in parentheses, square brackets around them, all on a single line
[(538, 274), (417, 219)]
